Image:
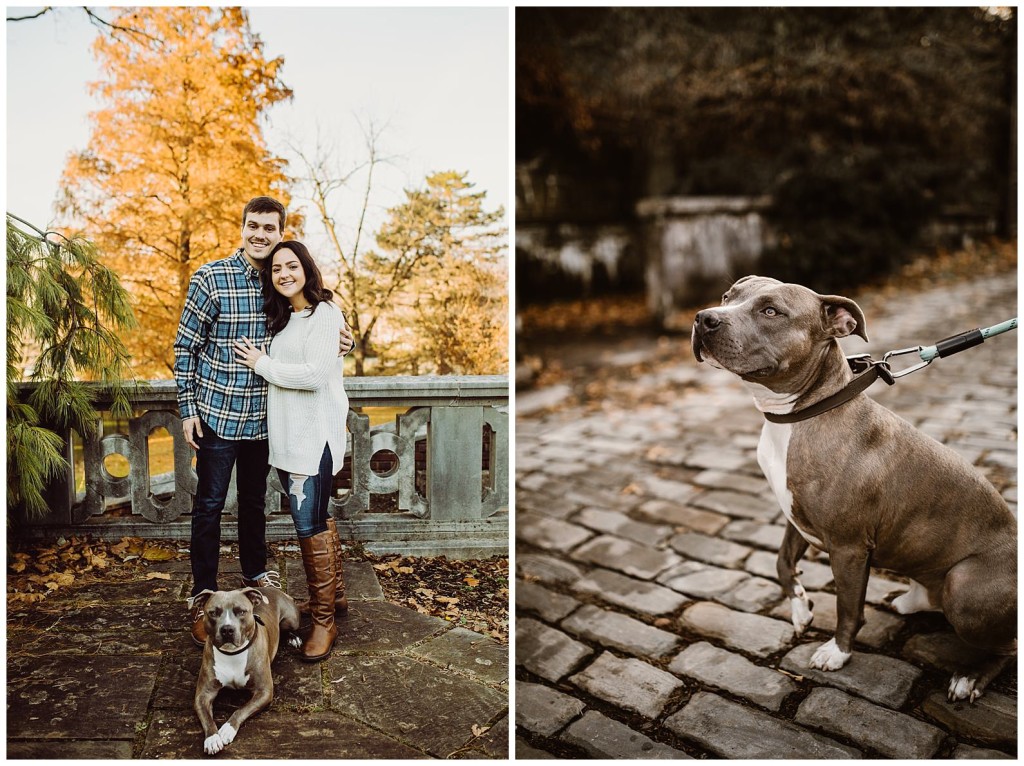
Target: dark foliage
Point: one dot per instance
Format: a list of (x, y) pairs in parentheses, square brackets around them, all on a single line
[(863, 123)]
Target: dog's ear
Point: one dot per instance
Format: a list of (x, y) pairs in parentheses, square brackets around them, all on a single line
[(199, 599), (842, 317), (256, 596)]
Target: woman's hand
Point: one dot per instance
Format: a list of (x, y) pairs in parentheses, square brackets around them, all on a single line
[(247, 353)]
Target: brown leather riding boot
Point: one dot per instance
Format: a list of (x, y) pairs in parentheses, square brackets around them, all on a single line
[(340, 600), (318, 561)]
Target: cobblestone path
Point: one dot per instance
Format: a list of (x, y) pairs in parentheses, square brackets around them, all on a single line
[(649, 620)]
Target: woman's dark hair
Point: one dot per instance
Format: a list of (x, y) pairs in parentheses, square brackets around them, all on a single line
[(278, 308)]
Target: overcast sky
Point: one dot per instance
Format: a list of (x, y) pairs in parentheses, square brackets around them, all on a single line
[(437, 77)]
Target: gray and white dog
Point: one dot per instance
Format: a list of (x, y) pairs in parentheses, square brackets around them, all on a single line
[(861, 483), (243, 631)]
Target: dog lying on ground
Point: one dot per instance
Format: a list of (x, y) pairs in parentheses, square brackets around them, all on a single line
[(243, 631), (861, 483)]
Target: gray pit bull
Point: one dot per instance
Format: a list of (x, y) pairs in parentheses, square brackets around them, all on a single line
[(861, 483), (243, 631)]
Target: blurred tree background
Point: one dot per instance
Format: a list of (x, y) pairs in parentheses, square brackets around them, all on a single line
[(175, 152), (864, 125), (177, 147)]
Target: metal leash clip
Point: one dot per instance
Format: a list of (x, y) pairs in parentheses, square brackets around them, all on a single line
[(903, 352)]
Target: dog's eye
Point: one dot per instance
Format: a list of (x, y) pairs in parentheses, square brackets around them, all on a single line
[(239, 611), (725, 298), (216, 611), (770, 312)]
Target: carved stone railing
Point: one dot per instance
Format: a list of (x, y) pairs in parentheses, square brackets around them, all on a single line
[(433, 481)]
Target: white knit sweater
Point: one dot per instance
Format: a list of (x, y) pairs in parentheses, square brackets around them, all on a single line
[(308, 406)]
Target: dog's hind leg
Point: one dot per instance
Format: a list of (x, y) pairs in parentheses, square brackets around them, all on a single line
[(979, 598), (793, 547)]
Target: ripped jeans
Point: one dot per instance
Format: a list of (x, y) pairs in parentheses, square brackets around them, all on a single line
[(308, 497)]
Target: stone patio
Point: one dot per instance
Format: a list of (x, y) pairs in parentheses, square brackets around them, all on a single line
[(108, 671)]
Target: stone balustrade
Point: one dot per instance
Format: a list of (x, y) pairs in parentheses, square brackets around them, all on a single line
[(433, 481)]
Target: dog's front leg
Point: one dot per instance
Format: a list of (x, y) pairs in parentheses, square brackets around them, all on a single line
[(261, 697), (851, 566), (203, 705), (793, 548)]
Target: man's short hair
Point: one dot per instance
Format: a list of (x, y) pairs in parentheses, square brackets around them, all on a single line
[(264, 205)]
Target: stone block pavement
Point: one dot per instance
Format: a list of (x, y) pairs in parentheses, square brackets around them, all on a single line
[(108, 671), (649, 623)]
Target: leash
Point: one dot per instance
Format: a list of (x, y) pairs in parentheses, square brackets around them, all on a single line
[(869, 370)]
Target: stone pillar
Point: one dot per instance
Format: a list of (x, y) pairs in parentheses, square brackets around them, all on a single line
[(695, 247)]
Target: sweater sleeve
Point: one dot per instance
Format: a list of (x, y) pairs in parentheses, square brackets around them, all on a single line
[(320, 353)]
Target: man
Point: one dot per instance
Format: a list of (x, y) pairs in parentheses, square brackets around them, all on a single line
[(223, 403)]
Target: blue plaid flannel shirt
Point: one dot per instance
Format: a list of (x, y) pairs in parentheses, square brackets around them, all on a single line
[(224, 303)]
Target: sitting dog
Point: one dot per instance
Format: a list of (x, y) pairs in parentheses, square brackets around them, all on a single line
[(243, 630), (861, 483)]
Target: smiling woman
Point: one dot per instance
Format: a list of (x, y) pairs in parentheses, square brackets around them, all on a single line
[(306, 413)]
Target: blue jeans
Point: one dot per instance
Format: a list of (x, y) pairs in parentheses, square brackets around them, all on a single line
[(308, 496), (214, 461)]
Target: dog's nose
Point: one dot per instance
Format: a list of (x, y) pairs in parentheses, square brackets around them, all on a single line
[(227, 631), (707, 320)]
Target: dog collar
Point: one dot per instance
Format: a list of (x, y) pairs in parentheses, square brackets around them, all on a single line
[(259, 622), (858, 385)]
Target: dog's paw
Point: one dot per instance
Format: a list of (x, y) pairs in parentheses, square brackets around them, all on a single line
[(227, 733), (829, 656), (295, 642), (963, 688), (213, 744), (912, 601), (800, 606)]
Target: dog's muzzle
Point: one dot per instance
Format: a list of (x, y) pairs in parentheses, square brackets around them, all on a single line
[(705, 323)]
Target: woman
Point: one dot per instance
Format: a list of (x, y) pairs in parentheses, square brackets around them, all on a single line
[(306, 413)]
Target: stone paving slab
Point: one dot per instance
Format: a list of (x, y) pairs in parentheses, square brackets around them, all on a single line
[(543, 710), (734, 674), (880, 679), (675, 448), (547, 652), (733, 731), (274, 735), (603, 737), (992, 719), (618, 631), (630, 684), (752, 633), (892, 734), (378, 691), (469, 653), (99, 697), (89, 678)]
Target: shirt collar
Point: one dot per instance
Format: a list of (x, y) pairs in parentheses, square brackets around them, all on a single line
[(243, 263)]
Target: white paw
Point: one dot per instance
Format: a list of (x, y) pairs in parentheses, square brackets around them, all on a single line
[(914, 600), (801, 609), (962, 688), (227, 733), (294, 642), (213, 744), (829, 656)]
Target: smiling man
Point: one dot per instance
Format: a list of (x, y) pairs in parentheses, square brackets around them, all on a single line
[(223, 404)]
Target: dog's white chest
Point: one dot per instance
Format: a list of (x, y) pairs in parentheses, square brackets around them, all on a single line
[(230, 669), (772, 454)]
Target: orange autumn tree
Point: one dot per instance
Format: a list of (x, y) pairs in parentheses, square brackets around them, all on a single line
[(175, 152)]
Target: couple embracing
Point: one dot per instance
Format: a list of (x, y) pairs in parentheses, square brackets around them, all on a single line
[(252, 406)]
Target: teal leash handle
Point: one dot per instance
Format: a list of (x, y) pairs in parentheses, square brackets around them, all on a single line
[(965, 340), (954, 344)]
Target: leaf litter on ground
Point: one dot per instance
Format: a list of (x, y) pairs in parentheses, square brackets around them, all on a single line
[(471, 594)]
